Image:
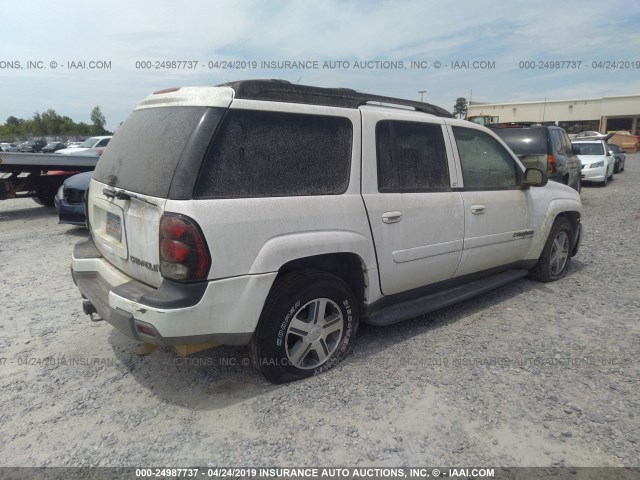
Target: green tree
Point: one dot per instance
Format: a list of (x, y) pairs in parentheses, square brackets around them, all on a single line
[(461, 107), (37, 126), (51, 122), (98, 121)]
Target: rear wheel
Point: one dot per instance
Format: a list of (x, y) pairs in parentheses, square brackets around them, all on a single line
[(556, 255), (307, 326)]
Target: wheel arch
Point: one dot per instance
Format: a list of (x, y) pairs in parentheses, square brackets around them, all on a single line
[(347, 266)]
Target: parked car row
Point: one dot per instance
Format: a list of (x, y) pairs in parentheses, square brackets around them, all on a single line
[(91, 146)]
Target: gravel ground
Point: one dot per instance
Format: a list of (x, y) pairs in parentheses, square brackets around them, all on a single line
[(529, 375)]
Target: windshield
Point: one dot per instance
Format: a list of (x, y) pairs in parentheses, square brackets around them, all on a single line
[(589, 148), (524, 141), (89, 142)]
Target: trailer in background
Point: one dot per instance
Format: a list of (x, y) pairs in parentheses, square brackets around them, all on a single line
[(39, 175)]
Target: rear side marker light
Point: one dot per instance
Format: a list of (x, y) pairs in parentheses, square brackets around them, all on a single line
[(552, 167)]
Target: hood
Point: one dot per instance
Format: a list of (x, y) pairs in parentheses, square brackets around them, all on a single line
[(79, 181)]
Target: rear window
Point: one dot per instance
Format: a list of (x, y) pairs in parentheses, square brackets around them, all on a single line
[(589, 148), (524, 141), (273, 154), (145, 150)]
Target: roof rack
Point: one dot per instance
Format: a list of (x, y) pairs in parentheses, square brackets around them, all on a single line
[(285, 91)]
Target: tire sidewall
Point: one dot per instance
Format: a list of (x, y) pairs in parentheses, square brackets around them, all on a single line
[(272, 357), (561, 225)]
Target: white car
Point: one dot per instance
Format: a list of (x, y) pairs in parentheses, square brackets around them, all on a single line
[(597, 161), (87, 147), (9, 147), (309, 210)]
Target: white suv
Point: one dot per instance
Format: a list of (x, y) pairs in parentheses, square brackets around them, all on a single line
[(280, 215)]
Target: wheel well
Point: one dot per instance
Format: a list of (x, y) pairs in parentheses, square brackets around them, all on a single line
[(347, 266), (574, 220)]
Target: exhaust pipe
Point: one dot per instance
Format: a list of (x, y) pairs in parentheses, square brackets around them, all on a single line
[(89, 309)]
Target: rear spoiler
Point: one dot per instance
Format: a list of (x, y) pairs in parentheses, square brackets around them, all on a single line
[(605, 138)]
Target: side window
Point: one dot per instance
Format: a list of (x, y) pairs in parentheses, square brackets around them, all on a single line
[(566, 143), (485, 163), (103, 142), (411, 157), (275, 154), (556, 140)]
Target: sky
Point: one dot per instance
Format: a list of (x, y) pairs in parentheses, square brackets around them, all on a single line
[(367, 45)]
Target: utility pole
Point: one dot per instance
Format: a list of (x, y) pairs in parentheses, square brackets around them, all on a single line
[(422, 92)]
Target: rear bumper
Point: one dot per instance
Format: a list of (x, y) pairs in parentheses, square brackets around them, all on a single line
[(224, 312), (71, 213)]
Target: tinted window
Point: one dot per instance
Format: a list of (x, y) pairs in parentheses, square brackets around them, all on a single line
[(485, 163), (271, 154), (411, 157), (524, 141), (566, 143), (146, 148), (556, 141)]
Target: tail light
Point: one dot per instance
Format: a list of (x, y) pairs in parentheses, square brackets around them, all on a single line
[(184, 255), (552, 166)]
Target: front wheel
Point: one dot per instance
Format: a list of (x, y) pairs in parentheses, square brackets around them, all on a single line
[(556, 254), (603, 183), (307, 326)]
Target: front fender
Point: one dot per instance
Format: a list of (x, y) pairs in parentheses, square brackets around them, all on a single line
[(556, 206)]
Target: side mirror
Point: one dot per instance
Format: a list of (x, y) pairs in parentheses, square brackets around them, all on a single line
[(534, 177)]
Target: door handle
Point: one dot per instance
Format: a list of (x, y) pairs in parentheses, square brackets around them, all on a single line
[(391, 217), (477, 209)]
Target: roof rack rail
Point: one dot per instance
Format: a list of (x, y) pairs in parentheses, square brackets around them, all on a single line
[(285, 91)]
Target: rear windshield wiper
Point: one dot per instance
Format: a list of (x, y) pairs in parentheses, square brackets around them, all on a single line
[(122, 195)]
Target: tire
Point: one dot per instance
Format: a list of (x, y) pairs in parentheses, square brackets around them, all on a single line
[(556, 255), (307, 326), (616, 168), (604, 182)]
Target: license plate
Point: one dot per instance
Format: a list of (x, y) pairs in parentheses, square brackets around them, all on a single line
[(114, 226)]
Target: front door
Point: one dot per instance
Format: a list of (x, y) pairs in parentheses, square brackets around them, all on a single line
[(498, 226)]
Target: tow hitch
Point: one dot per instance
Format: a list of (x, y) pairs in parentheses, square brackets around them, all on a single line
[(89, 309)]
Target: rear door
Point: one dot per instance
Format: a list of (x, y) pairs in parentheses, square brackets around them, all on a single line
[(498, 224), (416, 217)]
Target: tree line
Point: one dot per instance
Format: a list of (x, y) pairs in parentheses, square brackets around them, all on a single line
[(51, 124)]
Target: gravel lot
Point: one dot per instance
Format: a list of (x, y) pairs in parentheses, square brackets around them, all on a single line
[(530, 375)]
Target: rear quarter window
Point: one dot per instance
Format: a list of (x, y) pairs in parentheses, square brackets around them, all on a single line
[(271, 154)]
